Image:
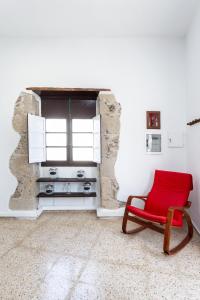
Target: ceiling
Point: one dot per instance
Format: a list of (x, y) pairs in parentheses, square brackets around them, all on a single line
[(95, 18)]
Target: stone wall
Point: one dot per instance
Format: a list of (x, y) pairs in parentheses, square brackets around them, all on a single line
[(24, 197), (110, 111)]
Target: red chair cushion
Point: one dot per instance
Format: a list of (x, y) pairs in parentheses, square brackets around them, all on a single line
[(153, 218)]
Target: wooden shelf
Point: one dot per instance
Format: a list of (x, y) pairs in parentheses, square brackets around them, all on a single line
[(66, 195), (49, 179)]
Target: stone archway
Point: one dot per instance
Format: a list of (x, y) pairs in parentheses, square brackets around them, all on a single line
[(24, 197)]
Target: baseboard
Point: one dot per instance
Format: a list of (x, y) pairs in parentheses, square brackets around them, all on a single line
[(21, 213), (65, 208), (104, 212), (34, 214), (101, 212)]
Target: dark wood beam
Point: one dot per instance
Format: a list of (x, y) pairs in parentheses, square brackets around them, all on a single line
[(38, 90)]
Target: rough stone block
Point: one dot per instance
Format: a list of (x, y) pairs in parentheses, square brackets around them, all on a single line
[(110, 111), (24, 196)]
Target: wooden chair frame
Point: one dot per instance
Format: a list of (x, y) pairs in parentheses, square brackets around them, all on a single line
[(166, 230)]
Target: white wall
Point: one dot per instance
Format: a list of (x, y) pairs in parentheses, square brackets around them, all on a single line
[(144, 74), (193, 112)]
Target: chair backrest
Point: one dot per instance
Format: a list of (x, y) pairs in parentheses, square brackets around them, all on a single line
[(169, 189)]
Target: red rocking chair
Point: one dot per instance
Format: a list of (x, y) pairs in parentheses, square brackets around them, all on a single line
[(165, 204)]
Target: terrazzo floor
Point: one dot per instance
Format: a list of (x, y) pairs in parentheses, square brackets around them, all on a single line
[(74, 255)]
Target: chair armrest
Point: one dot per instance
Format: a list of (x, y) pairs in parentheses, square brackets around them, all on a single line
[(130, 198), (180, 208), (171, 211), (173, 208)]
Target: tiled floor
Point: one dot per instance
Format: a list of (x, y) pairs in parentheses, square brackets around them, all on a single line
[(74, 255)]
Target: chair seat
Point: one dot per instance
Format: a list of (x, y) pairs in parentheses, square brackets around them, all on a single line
[(154, 218)]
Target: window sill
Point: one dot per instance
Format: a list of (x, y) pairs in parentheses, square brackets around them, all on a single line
[(68, 164)]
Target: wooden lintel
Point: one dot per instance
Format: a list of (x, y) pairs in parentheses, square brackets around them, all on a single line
[(38, 90)]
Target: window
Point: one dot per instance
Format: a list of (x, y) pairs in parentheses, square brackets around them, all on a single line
[(56, 139), (82, 139), (69, 128)]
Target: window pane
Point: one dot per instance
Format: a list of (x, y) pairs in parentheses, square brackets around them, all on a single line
[(56, 139), (82, 139), (56, 125), (56, 153), (82, 125), (83, 154)]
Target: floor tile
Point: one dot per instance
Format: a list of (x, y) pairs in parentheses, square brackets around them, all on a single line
[(9, 238), (51, 237), (188, 260), (85, 291), (67, 268), (163, 286), (21, 224), (21, 270), (115, 281), (53, 288), (81, 245), (119, 248)]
